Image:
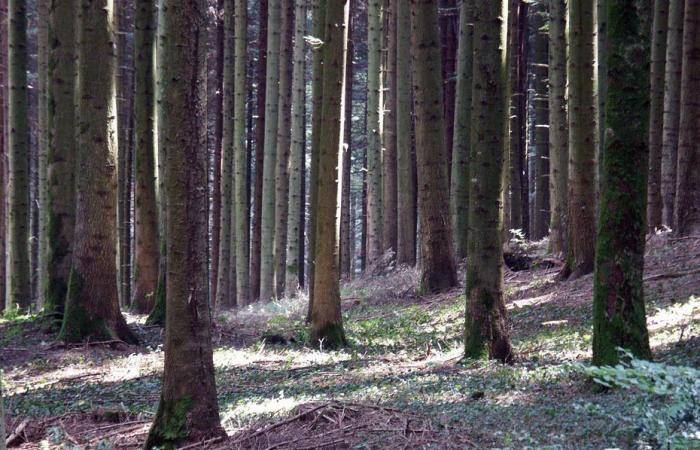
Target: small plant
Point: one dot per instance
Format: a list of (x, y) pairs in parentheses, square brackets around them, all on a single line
[(669, 416)]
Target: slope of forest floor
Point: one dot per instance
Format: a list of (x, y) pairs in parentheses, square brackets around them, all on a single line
[(401, 384)]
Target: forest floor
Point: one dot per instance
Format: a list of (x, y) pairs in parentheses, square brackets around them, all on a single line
[(401, 384)]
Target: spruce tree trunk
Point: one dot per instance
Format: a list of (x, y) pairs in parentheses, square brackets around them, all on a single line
[(486, 319), (92, 304), (619, 318), (438, 271), (267, 248), (346, 242), (672, 100), (687, 209), (541, 106), (374, 131), (519, 195), (459, 191), (284, 129), (558, 127), (601, 19), (61, 155), (449, 39), (326, 319), (656, 112), (582, 139), (224, 290), (295, 264), (146, 209), (3, 154), (406, 186), (43, 148), (261, 88), (188, 410), (240, 152), (389, 182), (18, 276)]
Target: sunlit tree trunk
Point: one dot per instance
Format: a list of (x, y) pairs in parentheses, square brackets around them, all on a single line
[(541, 105), (346, 242)]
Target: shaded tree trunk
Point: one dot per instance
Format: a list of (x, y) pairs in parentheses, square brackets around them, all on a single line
[(540, 102), (449, 38), (438, 271), (389, 182), (619, 318), (486, 319), (42, 7), (519, 201), (346, 241)]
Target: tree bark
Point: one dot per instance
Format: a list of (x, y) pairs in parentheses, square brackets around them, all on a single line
[(619, 318), (540, 101), (389, 182), (92, 305), (486, 317), (42, 7), (438, 271), (346, 241)]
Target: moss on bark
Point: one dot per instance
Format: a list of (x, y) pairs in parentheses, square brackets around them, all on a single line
[(170, 424)]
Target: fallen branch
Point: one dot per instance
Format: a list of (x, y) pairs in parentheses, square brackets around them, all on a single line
[(278, 424), (207, 442), (665, 276), (16, 434)]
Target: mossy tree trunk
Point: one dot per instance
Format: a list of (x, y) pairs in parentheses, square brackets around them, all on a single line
[(558, 127), (267, 252), (406, 174), (486, 332), (656, 112), (438, 271), (459, 191), (146, 230), (240, 154), (672, 102), (18, 276), (92, 304), (326, 319), (346, 241), (389, 181), (582, 139), (687, 209), (61, 155), (619, 318), (284, 131), (188, 410)]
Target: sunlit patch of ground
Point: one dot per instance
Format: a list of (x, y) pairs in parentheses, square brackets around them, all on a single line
[(401, 384)]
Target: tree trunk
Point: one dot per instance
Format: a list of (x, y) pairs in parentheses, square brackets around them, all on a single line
[(267, 252), (449, 38), (656, 112), (43, 147), (261, 90), (240, 152), (619, 319), (672, 100), (582, 139), (389, 182), (284, 129), (540, 101), (326, 319), (374, 132), (687, 210), (3, 152), (92, 304), (188, 410), (19, 277), (406, 188), (518, 185), (459, 192), (486, 319), (346, 242), (558, 128), (438, 271), (146, 230), (61, 156)]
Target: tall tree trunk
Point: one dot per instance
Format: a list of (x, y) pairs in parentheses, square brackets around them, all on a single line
[(672, 101), (3, 152), (240, 152), (438, 271), (389, 182), (687, 210), (486, 319), (558, 127), (92, 305), (43, 147), (541, 105), (326, 319), (267, 252), (582, 139), (18, 277), (619, 319), (295, 264), (656, 112), (374, 132), (459, 191), (519, 195), (346, 242), (406, 186), (224, 291), (61, 156), (601, 20), (260, 100), (449, 38), (284, 130), (188, 398), (146, 230)]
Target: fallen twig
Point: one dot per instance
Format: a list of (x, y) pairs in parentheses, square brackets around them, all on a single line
[(664, 276), (278, 424), (207, 442), (16, 434)]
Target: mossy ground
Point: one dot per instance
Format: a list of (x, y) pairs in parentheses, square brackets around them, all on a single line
[(405, 353)]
